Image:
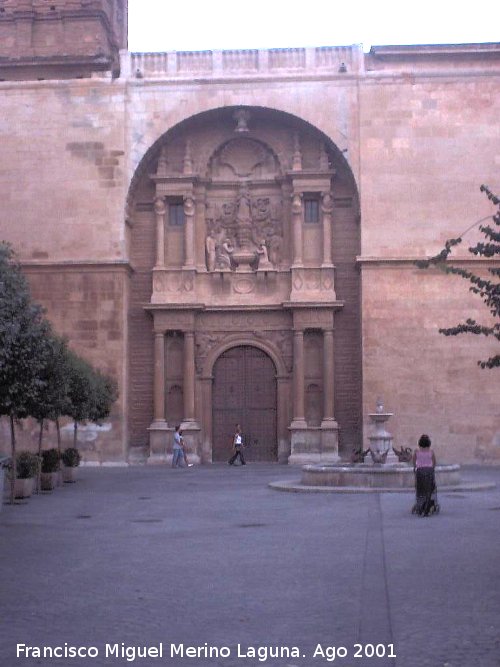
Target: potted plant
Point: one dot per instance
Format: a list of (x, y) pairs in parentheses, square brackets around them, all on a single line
[(50, 468), (71, 458), (26, 470)]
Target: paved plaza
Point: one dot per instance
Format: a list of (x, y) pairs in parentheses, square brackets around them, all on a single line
[(211, 560)]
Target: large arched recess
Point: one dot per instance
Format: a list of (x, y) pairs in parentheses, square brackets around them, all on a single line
[(346, 247)]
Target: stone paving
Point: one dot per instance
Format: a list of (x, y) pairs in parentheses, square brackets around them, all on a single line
[(144, 558)]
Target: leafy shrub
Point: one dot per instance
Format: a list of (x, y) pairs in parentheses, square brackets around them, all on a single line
[(71, 457), (50, 460), (26, 465)]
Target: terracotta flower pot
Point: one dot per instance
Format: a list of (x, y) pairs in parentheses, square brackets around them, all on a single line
[(23, 488), (69, 474), (48, 481)]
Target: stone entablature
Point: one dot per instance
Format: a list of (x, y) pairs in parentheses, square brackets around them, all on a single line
[(265, 286)]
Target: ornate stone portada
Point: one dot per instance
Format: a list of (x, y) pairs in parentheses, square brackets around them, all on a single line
[(243, 216)]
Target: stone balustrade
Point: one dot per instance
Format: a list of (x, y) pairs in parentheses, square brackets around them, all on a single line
[(245, 62)]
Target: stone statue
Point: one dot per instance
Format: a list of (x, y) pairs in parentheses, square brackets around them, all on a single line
[(264, 262), (223, 252), (211, 248), (275, 250)]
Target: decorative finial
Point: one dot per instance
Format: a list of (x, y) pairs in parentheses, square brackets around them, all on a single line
[(380, 406), (297, 155), (162, 169), (324, 163), (188, 161)]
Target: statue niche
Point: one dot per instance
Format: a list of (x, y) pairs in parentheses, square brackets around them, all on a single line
[(244, 234)]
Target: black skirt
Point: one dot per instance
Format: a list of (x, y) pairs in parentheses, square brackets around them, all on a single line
[(425, 489)]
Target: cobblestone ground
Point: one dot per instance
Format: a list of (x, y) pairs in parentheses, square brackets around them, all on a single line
[(212, 558)]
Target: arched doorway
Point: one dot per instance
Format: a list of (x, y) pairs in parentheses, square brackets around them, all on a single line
[(225, 170), (244, 392)]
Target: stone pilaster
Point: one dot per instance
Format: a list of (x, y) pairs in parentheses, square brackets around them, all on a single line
[(160, 210), (189, 213), (190, 428), (189, 371), (329, 427), (298, 379), (297, 216), (327, 211), (159, 432)]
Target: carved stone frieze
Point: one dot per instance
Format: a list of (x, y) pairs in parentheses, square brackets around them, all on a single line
[(244, 232), (313, 318), (166, 281), (205, 342)]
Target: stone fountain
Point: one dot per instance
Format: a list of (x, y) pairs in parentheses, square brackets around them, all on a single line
[(379, 469), (381, 443)]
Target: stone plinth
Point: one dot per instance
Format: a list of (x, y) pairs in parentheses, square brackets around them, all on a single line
[(191, 436), (160, 442), (314, 445)]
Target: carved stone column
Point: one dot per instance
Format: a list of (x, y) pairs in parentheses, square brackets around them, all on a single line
[(189, 212), (297, 217), (159, 377), (159, 433), (329, 427), (190, 428), (328, 382), (189, 377), (327, 210), (299, 432), (298, 379), (159, 208)]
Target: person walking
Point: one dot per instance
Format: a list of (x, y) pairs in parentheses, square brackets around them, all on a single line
[(238, 447), (178, 460), (424, 462)]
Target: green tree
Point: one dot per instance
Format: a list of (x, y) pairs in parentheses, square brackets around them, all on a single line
[(81, 390), (24, 347), (105, 394), (487, 288), (52, 402), (91, 394)]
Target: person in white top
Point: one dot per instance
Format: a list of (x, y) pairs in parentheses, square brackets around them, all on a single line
[(238, 447)]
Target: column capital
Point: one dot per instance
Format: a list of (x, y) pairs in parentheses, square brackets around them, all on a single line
[(189, 204), (297, 198), (159, 205), (326, 203)]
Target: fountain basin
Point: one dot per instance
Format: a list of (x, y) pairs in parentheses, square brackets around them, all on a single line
[(368, 475)]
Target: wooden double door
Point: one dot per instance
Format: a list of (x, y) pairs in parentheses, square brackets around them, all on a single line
[(244, 392)]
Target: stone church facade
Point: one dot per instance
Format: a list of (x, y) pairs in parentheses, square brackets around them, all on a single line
[(232, 234)]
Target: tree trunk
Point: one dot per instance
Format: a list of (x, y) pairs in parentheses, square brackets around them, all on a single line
[(14, 463), (59, 448), (75, 427), (39, 472)]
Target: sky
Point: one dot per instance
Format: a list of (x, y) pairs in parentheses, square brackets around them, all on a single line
[(197, 25)]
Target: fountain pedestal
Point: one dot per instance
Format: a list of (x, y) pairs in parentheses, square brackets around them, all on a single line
[(381, 450)]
